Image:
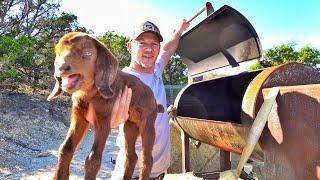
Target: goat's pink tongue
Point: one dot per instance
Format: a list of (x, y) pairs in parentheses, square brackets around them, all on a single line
[(70, 81)]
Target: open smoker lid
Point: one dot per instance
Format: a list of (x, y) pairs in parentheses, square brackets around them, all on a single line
[(224, 38)]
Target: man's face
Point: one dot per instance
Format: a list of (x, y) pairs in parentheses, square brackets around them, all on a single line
[(145, 50)]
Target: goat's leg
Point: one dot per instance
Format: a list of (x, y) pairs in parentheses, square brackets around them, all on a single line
[(93, 160), (147, 137), (77, 129), (131, 132)]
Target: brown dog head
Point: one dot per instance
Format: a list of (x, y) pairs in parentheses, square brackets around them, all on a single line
[(82, 63)]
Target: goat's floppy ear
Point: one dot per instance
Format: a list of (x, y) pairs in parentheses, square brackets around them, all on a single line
[(106, 70), (56, 90)]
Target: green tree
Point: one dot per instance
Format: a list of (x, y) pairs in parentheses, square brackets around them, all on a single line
[(176, 71), (285, 53), (118, 46), (27, 17), (57, 26), (35, 18), (257, 65), (309, 55), (281, 54), (16, 56)]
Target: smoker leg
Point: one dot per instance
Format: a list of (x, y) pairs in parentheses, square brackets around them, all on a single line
[(185, 152), (225, 163)]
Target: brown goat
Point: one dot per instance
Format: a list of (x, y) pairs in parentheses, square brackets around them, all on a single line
[(85, 68)]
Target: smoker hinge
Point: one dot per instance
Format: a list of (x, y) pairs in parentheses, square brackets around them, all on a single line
[(197, 79)]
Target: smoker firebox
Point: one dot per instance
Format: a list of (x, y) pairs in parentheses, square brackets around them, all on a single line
[(218, 99)]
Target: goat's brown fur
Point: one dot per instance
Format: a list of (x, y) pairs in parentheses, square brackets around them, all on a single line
[(85, 68)]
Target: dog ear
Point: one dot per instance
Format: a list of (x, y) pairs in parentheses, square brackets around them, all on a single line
[(106, 70), (56, 90)]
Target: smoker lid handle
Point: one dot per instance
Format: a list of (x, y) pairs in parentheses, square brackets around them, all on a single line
[(207, 7)]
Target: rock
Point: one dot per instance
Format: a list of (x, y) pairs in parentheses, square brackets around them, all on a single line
[(44, 154)]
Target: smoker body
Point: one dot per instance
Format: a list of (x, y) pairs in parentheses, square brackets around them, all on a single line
[(210, 112), (220, 111), (209, 108)]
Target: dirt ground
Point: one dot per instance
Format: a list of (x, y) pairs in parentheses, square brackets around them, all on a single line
[(32, 130)]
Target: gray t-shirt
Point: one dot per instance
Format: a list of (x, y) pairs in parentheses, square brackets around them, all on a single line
[(161, 149)]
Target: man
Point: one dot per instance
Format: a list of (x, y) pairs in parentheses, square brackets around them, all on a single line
[(148, 60)]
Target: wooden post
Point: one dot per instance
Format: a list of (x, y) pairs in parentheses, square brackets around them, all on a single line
[(185, 152)]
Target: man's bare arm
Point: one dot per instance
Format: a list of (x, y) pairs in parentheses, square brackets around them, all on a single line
[(170, 47)]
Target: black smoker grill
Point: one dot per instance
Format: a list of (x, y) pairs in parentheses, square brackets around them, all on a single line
[(222, 40), (219, 103)]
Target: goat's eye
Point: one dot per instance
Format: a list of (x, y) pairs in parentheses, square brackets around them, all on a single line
[(86, 55)]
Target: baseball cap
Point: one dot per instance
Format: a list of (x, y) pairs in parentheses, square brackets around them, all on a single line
[(146, 26)]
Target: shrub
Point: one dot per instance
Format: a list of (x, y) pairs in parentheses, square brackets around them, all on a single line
[(12, 74), (18, 52)]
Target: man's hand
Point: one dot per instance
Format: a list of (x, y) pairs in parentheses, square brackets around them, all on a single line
[(171, 110), (170, 47), (120, 109), (184, 25)]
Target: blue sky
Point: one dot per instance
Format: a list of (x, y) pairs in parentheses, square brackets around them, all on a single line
[(275, 21)]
